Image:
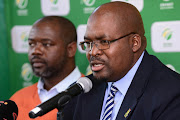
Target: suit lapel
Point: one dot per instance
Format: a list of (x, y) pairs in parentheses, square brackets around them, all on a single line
[(136, 88), (99, 97), (94, 105)]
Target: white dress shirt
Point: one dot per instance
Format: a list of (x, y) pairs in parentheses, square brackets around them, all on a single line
[(122, 85), (45, 95)]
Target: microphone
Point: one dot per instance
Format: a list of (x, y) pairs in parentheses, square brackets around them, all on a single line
[(8, 110), (83, 84)]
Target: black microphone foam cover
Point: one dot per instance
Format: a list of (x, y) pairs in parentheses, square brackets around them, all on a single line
[(8, 110)]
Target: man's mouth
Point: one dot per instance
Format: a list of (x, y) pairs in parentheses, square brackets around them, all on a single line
[(37, 63), (97, 66)]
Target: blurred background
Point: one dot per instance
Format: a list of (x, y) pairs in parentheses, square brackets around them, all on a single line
[(161, 22)]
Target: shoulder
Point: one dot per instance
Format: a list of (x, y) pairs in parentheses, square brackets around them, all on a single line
[(156, 80), (155, 69), (163, 72), (25, 92), (161, 81)]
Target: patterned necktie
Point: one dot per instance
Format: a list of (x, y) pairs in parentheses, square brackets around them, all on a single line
[(109, 103)]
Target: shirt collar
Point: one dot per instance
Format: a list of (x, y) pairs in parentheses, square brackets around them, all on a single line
[(64, 84), (124, 83)]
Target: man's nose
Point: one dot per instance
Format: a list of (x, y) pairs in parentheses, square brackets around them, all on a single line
[(37, 50), (94, 51)]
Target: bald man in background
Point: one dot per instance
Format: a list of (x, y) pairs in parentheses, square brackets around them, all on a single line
[(52, 47), (115, 45)]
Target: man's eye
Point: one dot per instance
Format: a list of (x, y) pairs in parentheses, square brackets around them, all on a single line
[(87, 43), (46, 44), (31, 44), (104, 41)]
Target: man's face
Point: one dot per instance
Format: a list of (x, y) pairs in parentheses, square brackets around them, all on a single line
[(47, 52), (113, 63)]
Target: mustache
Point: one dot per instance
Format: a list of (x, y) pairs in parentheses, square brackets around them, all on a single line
[(37, 58), (93, 58)]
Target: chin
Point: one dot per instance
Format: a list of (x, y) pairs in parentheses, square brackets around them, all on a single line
[(100, 77), (40, 74), (37, 74)]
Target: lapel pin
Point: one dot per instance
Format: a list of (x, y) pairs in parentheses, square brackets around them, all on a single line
[(127, 113)]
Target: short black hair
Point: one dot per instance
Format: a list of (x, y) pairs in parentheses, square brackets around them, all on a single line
[(68, 27)]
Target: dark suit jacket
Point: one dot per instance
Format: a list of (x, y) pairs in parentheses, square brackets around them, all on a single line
[(154, 94)]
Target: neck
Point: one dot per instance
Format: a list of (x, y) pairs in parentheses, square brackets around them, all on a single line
[(52, 81)]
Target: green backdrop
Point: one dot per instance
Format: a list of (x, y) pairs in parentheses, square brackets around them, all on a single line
[(161, 22)]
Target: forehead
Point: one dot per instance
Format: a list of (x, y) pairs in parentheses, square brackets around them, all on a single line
[(106, 25), (44, 31)]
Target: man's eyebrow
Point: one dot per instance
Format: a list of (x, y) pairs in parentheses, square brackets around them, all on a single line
[(100, 37), (43, 40), (97, 37), (46, 39), (30, 39)]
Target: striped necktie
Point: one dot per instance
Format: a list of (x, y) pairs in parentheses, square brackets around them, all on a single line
[(109, 103)]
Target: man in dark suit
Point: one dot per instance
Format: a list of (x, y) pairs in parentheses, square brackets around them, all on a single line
[(115, 46)]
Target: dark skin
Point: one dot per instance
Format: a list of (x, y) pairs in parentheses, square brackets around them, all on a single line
[(52, 49), (111, 21)]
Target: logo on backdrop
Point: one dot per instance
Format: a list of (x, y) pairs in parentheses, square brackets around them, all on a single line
[(89, 8), (172, 67), (165, 36), (26, 74), (22, 4), (139, 4), (166, 4), (24, 36), (19, 37), (89, 2), (54, 1), (88, 70), (81, 29), (55, 7)]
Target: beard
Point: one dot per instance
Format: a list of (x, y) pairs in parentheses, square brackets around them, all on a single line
[(103, 76), (50, 71)]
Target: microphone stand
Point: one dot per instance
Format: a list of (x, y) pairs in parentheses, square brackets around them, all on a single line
[(60, 114), (61, 104)]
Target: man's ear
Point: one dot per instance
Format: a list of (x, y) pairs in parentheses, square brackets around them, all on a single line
[(136, 42), (71, 49)]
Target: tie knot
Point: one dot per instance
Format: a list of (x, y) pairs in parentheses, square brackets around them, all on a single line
[(113, 90)]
